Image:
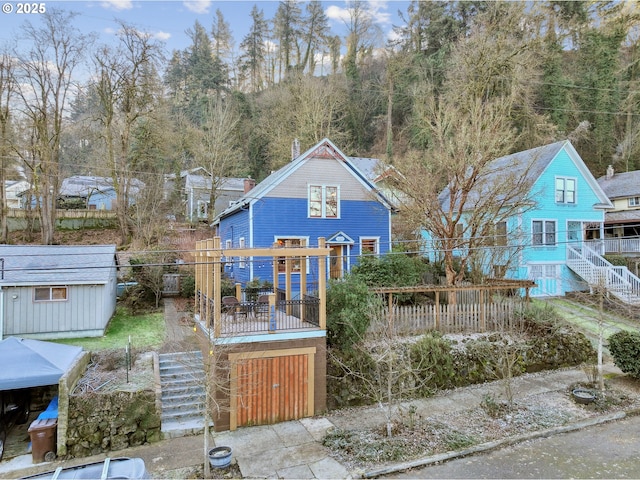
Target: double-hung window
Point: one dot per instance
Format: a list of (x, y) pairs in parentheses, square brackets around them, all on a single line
[(634, 201), (369, 245), (565, 190), (50, 294), (293, 242), (500, 237), (324, 201), (544, 232)]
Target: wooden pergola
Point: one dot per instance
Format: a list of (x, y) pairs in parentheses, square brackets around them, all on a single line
[(208, 274)]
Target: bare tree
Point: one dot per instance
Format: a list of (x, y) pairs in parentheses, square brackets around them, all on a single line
[(218, 148), (126, 87), (453, 188), (7, 90), (46, 80)]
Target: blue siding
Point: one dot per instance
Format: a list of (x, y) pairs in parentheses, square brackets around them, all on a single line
[(286, 217)]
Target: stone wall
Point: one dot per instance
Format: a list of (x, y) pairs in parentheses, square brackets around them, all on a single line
[(103, 422)]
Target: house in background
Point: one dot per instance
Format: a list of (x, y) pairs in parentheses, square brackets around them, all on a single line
[(622, 222), (55, 291), (13, 192), (194, 187), (92, 193), (557, 236), (319, 193)]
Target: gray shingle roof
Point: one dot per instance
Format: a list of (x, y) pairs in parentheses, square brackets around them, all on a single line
[(57, 264), (621, 185)]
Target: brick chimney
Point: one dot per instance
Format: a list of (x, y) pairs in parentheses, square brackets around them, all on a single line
[(249, 183), (610, 171)]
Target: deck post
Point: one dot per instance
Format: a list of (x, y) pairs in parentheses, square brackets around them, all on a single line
[(322, 285), (216, 260)]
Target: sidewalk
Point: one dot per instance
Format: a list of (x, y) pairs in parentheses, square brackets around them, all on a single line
[(294, 449)]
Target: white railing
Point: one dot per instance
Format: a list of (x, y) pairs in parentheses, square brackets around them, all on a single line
[(596, 270), (622, 245)]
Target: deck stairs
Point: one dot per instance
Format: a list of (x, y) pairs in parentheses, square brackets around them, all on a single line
[(596, 270), (182, 381)]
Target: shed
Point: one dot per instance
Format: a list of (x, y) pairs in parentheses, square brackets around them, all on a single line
[(56, 291)]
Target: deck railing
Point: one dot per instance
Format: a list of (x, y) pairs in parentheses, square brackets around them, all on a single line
[(253, 317)]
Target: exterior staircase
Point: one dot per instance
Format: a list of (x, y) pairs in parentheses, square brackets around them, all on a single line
[(596, 270), (182, 381)]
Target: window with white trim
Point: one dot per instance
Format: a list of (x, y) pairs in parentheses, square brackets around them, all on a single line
[(324, 201), (50, 294), (634, 202), (565, 190), (203, 209), (291, 242), (544, 232), (241, 259), (369, 245)]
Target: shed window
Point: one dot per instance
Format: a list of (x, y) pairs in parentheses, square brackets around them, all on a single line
[(50, 294), (634, 202)]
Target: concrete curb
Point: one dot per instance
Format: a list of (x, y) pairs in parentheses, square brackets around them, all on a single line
[(483, 447)]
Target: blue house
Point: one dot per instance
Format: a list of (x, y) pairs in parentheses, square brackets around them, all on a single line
[(319, 193), (554, 239)]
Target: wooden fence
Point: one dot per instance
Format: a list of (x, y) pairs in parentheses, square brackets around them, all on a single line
[(454, 318)]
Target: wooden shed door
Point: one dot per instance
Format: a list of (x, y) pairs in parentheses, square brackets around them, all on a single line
[(272, 389)]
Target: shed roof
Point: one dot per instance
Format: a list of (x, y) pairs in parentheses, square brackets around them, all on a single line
[(56, 264)]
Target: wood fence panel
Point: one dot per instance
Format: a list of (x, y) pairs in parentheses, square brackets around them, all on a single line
[(453, 318)]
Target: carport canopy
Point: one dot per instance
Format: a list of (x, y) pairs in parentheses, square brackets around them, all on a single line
[(29, 363)]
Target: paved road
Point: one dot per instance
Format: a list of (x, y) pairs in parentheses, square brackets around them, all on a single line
[(604, 451)]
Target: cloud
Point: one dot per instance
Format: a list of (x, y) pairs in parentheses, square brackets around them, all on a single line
[(334, 12), (198, 6), (376, 9), (117, 4), (162, 35)]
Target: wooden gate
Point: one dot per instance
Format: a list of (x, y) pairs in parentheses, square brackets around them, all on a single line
[(271, 386)]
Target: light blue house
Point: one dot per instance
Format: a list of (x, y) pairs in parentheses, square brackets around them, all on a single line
[(554, 237), (319, 193)]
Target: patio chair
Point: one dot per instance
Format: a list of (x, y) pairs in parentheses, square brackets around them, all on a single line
[(231, 306), (262, 307)]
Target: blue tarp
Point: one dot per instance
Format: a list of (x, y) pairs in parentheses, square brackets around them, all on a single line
[(51, 411), (28, 363)]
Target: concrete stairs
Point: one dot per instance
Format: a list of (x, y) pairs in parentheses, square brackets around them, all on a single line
[(182, 381)]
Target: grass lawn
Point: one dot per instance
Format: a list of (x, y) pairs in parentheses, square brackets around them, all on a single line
[(147, 332)]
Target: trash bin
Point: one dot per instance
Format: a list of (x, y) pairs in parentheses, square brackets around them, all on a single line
[(43, 439)]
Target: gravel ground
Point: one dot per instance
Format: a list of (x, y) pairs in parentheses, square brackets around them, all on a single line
[(417, 436)]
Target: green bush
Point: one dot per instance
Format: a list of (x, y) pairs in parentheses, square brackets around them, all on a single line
[(616, 260), (350, 307), (188, 286), (432, 362), (625, 348)]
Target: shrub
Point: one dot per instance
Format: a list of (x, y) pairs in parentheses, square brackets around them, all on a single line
[(616, 260), (188, 286), (432, 361), (625, 348), (350, 306)]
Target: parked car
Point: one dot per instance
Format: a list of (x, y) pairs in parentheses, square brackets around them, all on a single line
[(14, 409), (110, 468)]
